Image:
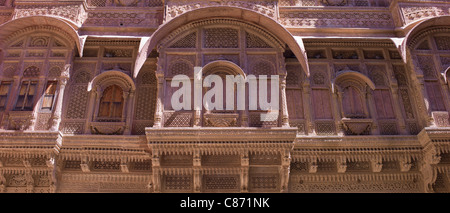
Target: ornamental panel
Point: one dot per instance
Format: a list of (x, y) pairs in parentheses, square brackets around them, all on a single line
[(347, 19), (178, 183), (221, 183), (266, 182), (221, 38)]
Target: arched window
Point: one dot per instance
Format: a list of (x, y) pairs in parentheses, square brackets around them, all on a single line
[(111, 103), (352, 103), (353, 87), (430, 53), (27, 89)]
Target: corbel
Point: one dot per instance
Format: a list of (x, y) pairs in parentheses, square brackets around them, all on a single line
[(376, 164), (313, 165), (341, 165), (85, 164), (124, 165)]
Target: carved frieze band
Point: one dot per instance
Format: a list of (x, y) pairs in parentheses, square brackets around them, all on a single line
[(347, 19), (72, 12)]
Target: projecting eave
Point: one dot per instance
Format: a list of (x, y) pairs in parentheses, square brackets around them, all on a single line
[(245, 15)]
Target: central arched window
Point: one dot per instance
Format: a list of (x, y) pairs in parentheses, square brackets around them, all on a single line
[(111, 103), (352, 103), (353, 89)]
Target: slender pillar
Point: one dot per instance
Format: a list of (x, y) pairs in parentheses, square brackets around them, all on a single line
[(284, 110), (129, 112), (398, 111), (63, 79), (373, 114), (309, 125), (159, 102), (337, 114)]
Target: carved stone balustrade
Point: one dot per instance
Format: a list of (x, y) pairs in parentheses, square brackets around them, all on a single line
[(108, 128), (357, 126), (221, 119)]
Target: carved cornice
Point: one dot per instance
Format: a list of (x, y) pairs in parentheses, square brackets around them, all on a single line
[(347, 177), (31, 139), (358, 148), (353, 43), (37, 28), (107, 177), (231, 134), (218, 148), (114, 141), (112, 42), (221, 21)]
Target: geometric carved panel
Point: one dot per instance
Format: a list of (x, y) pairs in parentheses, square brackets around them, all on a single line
[(221, 38), (178, 183), (216, 182), (264, 182), (78, 102), (178, 119), (265, 159)]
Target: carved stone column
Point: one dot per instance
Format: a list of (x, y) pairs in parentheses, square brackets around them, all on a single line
[(34, 114), (98, 97), (63, 79), (335, 97), (284, 109), (373, 113), (198, 86), (309, 125), (159, 102), (398, 111), (94, 97), (129, 97)]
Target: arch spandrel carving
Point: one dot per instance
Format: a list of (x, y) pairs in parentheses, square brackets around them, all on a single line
[(434, 24), (12, 29), (245, 16), (232, 67), (353, 76), (112, 77)]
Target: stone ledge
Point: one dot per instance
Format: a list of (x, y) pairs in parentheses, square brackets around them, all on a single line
[(211, 134)]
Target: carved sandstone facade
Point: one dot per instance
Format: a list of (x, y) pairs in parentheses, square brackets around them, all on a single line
[(85, 96)]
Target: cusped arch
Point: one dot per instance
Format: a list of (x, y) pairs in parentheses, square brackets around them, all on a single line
[(446, 74), (229, 12), (112, 77), (232, 67), (353, 76), (17, 27), (418, 31)]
